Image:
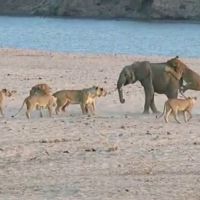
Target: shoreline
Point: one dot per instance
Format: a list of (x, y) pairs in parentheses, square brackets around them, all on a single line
[(46, 52)]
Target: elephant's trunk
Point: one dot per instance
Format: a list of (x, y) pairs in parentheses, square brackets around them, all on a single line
[(120, 91), (122, 100)]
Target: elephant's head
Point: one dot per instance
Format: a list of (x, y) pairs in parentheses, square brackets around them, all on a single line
[(127, 76)]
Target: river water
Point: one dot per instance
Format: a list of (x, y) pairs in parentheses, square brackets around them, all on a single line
[(101, 36)]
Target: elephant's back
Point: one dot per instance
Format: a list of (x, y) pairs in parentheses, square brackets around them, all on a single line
[(158, 72), (163, 81)]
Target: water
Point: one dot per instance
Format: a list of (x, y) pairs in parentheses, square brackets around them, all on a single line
[(101, 36)]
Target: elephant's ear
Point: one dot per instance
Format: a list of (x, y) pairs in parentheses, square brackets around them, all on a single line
[(129, 74), (126, 73), (132, 76)]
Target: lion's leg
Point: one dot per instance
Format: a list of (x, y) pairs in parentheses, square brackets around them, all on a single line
[(40, 109), (93, 107), (41, 114), (87, 108), (30, 109), (90, 109), (1, 111), (28, 113), (66, 104), (50, 111), (190, 115), (175, 113), (84, 108), (57, 109), (58, 106), (185, 116), (166, 116)]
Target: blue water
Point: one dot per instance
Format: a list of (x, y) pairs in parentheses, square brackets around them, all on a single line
[(101, 36)]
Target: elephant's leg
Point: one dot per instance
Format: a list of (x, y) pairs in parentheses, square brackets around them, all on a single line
[(147, 83), (148, 98), (172, 89), (153, 106), (149, 93), (172, 93)]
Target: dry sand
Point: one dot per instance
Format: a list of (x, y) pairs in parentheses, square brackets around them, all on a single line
[(119, 154)]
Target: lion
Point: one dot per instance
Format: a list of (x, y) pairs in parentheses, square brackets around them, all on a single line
[(85, 97), (174, 68), (189, 79), (38, 102), (178, 105), (3, 94), (41, 89)]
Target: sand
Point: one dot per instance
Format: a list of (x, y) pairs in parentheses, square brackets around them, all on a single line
[(117, 154)]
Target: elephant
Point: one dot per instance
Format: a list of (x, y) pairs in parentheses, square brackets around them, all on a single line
[(153, 78)]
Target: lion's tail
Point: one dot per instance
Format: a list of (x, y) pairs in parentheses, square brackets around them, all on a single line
[(20, 108), (164, 110)]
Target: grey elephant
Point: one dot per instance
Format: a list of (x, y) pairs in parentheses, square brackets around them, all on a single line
[(153, 77)]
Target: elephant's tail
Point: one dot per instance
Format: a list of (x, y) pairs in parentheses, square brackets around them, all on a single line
[(164, 110)]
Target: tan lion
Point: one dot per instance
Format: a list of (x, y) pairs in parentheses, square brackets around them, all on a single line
[(175, 68), (3, 94), (85, 97), (41, 89), (181, 72), (38, 102), (178, 105)]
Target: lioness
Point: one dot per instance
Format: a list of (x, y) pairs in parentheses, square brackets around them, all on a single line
[(40, 89), (85, 97), (37, 102), (189, 79), (175, 68), (3, 94), (178, 105)]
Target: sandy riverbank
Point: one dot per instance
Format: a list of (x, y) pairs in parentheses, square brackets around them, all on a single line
[(70, 156)]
